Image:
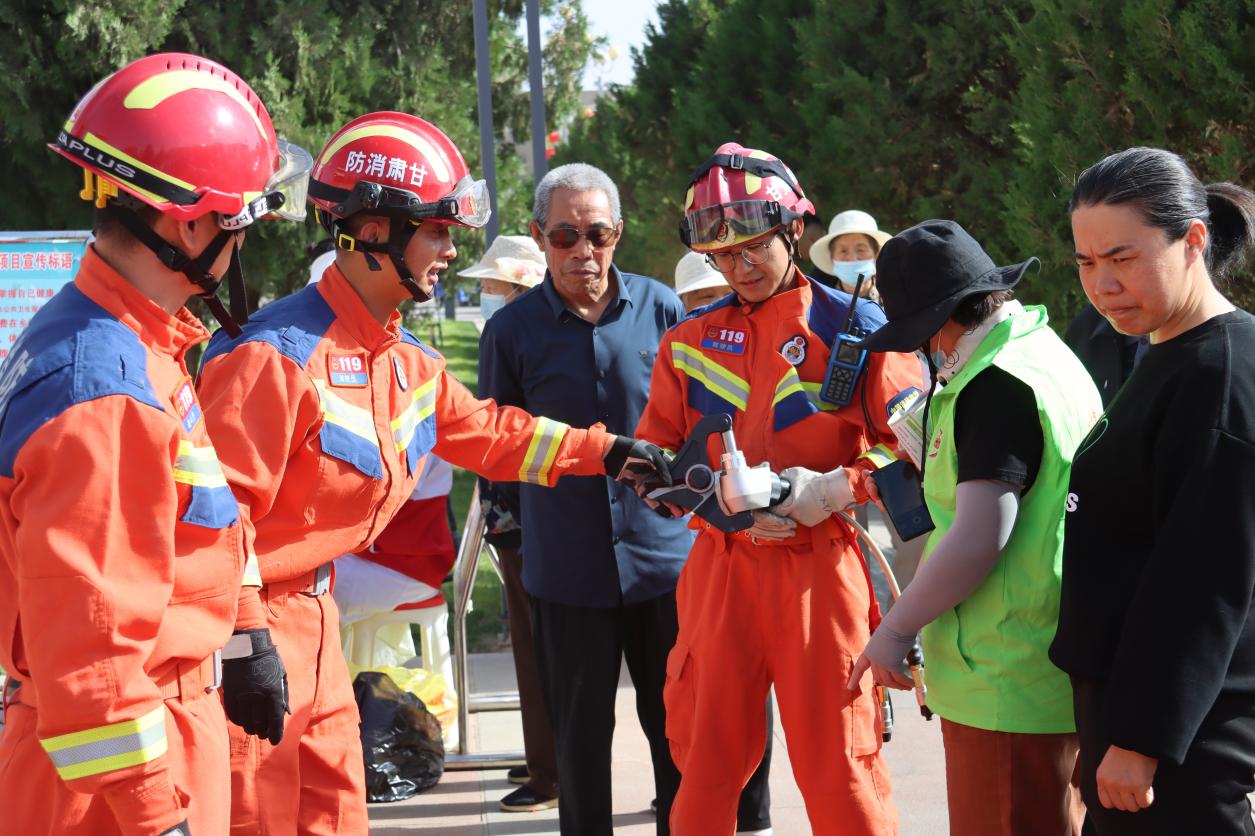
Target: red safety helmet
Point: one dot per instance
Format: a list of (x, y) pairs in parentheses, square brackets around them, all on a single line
[(400, 167), (739, 195), (186, 136)]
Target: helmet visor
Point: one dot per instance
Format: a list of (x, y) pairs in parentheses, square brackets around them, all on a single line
[(467, 205), (291, 180), (284, 195), (729, 224)]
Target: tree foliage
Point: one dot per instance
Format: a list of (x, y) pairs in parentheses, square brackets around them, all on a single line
[(984, 111), (315, 63)]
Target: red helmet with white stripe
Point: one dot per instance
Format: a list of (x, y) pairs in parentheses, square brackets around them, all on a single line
[(187, 137), (400, 167)]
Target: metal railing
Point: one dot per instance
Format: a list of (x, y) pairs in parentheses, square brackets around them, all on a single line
[(465, 571)]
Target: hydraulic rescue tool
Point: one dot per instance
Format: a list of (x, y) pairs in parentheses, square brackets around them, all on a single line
[(728, 497), (725, 498)]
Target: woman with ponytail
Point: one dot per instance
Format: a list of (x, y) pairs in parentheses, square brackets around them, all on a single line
[(1155, 624)]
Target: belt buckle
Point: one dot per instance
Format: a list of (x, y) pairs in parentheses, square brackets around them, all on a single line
[(217, 673)]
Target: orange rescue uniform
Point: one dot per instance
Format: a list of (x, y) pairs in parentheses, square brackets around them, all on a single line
[(323, 418), (794, 612), (123, 559)]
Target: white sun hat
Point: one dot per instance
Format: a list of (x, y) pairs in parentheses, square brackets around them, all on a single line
[(693, 272), (510, 258), (851, 220)]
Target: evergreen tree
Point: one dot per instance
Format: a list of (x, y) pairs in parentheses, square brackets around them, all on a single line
[(315, 63), (1100, 77)]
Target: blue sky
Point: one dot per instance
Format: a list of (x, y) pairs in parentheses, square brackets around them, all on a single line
[(623, 23)]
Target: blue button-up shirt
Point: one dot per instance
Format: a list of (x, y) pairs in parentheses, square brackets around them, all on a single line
[(588, 542)]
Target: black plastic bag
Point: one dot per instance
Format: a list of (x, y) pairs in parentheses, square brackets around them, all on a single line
[(401, 740)]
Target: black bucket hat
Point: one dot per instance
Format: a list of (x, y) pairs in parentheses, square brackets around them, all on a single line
[(923, 273)]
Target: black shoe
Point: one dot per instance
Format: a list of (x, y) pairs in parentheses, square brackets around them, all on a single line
[(518, 775), (526, 800)]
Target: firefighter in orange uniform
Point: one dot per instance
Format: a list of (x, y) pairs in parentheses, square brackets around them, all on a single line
[(324, 412), (780, 603), (126, 565)]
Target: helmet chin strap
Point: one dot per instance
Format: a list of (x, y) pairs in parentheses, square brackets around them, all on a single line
[(197, 269), (400, 231)]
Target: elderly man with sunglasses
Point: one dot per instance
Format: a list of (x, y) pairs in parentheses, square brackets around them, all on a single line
[(599, 566)]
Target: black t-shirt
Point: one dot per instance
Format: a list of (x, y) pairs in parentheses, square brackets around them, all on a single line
[(1159, 546), (997, 431)]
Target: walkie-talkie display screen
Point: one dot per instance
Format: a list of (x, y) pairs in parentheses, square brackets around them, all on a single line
[(849, 353)]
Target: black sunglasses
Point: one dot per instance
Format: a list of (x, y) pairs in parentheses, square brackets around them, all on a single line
[(565, 237)]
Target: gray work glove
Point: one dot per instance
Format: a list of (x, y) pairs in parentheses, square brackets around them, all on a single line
[(815, 496)]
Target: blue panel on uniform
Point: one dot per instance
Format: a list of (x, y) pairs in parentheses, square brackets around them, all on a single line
[(72, 351), (407, 337), (707, 402), (793, 408), (829, 309), (294, 325), (341, 444), (212, 508)]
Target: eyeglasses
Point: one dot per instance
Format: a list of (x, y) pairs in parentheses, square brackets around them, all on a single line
[(753, 255), (565, 237)]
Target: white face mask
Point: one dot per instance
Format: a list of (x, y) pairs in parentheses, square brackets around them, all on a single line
[(490, 303), (849, 271)]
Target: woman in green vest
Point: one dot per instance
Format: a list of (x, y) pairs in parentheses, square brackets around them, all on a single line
[(1000, 439)]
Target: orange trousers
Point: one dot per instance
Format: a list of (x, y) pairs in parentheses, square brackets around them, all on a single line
[(314, 781), (792, 615), (34, 801)]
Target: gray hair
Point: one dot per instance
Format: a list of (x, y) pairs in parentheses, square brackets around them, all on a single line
[(578, 177)]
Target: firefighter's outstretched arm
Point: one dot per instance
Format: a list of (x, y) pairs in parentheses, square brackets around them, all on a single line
[(506, 444)]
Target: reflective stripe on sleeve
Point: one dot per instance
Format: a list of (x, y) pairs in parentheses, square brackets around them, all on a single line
[(104, 749), (710, 374), (880, 455), (198, 466), (542, 451)]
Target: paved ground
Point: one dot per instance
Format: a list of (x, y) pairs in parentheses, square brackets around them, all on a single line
[(464, 803)]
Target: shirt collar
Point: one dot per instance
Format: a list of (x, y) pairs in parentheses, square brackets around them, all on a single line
[(167, 333), (351, 311), (784, 303), (558, 306)]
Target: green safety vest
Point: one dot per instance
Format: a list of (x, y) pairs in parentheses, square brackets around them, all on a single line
[(986, 662)]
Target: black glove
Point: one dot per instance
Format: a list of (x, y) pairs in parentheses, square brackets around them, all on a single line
[(255, 688), (638, 463), (180, 829)]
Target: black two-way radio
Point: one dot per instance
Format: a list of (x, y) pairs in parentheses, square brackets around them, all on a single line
[(847, 360)]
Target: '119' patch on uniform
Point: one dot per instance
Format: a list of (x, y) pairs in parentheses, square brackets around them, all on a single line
[(347, 370), (727, 340), (185, 405)]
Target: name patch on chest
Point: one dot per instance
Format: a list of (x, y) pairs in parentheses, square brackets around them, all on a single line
[(347, 370), (727, 340), (185, 405)]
